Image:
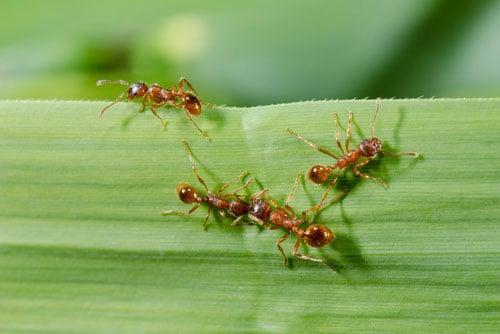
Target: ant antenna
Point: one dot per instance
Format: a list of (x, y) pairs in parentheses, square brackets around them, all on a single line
[(193, 166), (377, 108), (105, 82), (118, 99)]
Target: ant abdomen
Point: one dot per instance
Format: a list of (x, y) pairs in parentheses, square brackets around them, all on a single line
[(319, 173), (192, 104), (187, 194), (318, 235)]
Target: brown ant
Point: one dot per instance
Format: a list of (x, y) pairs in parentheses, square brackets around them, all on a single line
[(275, 216), (155, 96), (227, 204), (366, 152)]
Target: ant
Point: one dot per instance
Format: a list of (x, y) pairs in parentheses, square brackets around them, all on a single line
[(275, 216), (227, 204), (357, 158), (155, 96)]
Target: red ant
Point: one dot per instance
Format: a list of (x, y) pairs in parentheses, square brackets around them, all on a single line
[(227, 204), (155, 96), (368, 149), (275, 216)]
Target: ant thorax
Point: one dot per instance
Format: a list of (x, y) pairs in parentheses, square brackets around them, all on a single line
[(370, 147), (216, 201)]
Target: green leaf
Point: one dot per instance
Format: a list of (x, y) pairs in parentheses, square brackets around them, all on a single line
[(83, 247)]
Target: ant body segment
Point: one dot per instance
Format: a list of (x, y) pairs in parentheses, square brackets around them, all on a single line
[(366, 151), (154, 96), (227, 204)]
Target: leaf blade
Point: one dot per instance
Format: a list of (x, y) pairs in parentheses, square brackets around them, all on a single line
[(82, 240)]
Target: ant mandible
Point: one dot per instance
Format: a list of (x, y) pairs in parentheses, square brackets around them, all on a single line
[(357, 158), (226, 204), (155, 96), (315, 235)]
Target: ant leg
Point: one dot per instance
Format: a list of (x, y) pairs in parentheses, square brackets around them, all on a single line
[(328, 203), (179, 213), (228, 184), (205, 222), (257, 220), (307, 257), (237, 221), (355, 170), (260, 194), (276, 205), (193, 166), (348, 131), (278, 244), (245, 186), (289, 198), (145, 101), (203, 133), (118, 99), (294, 188), (323, 202), (163, 122), (311, 144), (337, 132), (183, 81)]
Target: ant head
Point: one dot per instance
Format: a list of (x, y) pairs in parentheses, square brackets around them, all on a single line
[(192, 104), (370, 147), (319, 173), (260, 209), (187, 194), (318, 235), (137, 89)]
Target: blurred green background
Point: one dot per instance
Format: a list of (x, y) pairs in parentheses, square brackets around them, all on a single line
[(252, 52)]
